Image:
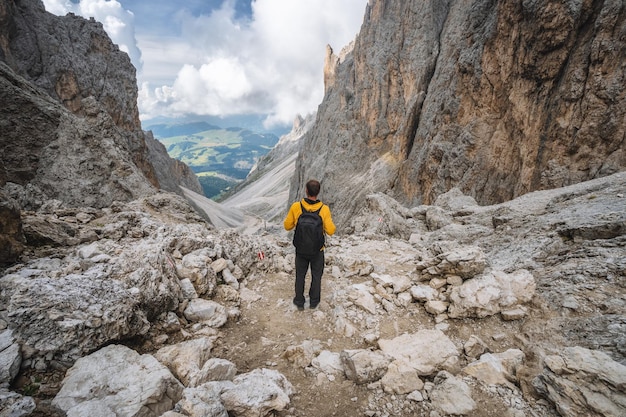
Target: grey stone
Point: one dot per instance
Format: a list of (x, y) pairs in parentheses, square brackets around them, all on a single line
[(363, 366), (13, 404), (257, 393), (118, 379), (424, 293), (451, 395), (10, 357), (580, 381), (187, 359), (401, 378), (426, 351), (328, 362), (207, 311), (497, 368), (474, 347), (203, 401), (491, 293)]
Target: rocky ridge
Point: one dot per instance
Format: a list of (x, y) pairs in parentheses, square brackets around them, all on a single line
[(449, 309)]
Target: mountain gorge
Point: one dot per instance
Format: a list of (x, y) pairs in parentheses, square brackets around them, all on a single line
[(472, 153)]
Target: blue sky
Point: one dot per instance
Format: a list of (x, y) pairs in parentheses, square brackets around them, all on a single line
[(226, 57)]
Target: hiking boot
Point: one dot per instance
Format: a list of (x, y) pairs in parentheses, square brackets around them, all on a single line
[(300, 308)]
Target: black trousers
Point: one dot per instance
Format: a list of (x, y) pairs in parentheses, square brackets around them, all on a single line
[(316, 262)]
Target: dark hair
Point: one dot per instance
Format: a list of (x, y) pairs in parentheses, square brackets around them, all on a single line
[(312, 188)]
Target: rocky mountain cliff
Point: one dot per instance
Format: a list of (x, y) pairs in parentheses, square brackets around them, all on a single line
[(70, 127), (497, 98), (74, 62)]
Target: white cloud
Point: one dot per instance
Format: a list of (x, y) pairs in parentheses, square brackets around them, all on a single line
[(271, 64), (117, 22), (268, 63)]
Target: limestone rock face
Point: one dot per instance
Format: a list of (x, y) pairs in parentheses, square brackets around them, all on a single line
[(86, 160), (53, 313), (170, 172), (70, 125), (494, 98), (11, 235), (71, 59)]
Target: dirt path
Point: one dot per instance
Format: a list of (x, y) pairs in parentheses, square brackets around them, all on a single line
[(270, 325)]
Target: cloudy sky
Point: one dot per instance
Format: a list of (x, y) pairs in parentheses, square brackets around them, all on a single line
[(226, 57)]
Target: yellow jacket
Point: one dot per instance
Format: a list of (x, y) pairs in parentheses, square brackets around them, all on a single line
[(295, 211)]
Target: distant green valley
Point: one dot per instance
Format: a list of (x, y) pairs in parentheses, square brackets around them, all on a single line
[(220, 157)]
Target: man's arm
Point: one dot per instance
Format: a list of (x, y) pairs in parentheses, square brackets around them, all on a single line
[(329, 226), (290, 221)]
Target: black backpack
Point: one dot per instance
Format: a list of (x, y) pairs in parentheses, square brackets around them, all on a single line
[(309, 235)]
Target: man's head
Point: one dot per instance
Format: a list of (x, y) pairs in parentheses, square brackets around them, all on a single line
[(312, 188)]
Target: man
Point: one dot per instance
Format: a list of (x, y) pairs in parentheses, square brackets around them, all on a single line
[(309, 252)]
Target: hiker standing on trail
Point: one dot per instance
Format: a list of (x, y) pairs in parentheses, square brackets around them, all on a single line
[(312, 220)]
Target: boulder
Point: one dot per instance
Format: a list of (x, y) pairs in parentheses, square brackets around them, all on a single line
[(328, 362), (474, 347), (401, 378), (583, 382), (363, 366), (187, 288), (451, 395), (229, 278), (48, 230), (465, 262), (424, 293), (496, 368), (427, 351), (216, 369), (436, 307), (209, 312), (257, 393), (302, 355), (66, 317), (491, 293), (196, 266), (203, 401), (219, 265), (455, 200), (436, 218), (361, 296), (381, 214), (186, 360), (119, 380)]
